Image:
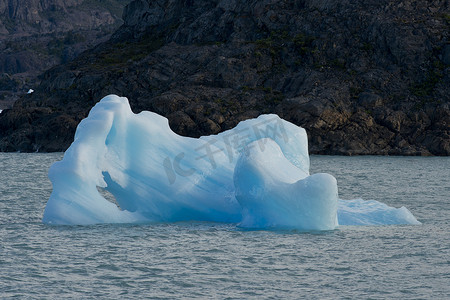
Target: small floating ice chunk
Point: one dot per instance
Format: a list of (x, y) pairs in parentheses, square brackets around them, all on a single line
[(30, 91), (371, 212)]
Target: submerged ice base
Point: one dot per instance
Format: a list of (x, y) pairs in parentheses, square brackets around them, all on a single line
[(132, 168)]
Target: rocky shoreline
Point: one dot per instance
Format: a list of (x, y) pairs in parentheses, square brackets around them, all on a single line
[(362, 77)]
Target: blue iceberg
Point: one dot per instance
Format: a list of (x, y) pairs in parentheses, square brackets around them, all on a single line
[(132, 168)]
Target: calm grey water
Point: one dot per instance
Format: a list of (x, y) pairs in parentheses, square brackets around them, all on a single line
[(218, 261)]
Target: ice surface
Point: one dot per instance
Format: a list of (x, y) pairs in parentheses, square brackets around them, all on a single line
[(273, 193), (371, 212), (153, 173), (130, 168)]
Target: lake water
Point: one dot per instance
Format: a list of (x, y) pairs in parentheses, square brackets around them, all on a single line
[(219, 261)]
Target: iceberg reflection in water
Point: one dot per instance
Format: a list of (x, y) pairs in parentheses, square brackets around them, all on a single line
[(256, 175)]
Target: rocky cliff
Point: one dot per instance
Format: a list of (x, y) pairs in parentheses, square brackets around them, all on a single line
[(38, 34), (362, 76)]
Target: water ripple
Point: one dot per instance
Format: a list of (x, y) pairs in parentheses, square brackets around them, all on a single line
[(210, 260)]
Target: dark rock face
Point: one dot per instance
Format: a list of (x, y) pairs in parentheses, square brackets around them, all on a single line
[(38, 34), (362, 77)]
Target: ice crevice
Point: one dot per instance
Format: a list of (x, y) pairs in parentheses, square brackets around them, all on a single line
[(132, 168)]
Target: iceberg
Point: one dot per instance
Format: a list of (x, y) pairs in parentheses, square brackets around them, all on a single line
[(132, 168)]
